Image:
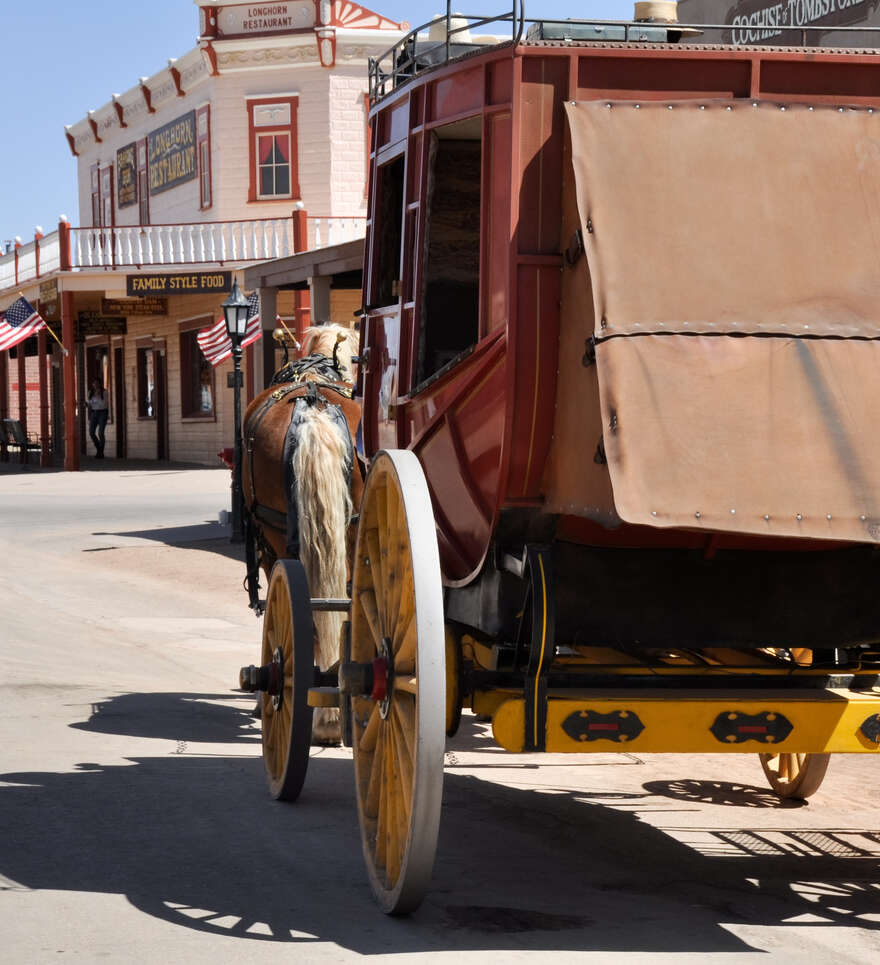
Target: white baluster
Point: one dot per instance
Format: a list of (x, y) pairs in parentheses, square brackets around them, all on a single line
[(253, 239), (317, 233), (221, 228), (233, 241)]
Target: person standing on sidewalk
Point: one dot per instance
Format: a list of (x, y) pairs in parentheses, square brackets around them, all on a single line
[(98, 412)]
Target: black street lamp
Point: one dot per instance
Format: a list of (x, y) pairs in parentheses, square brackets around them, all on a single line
[(235, 312)]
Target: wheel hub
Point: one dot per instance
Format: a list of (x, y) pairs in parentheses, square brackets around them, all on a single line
[(268, 679), (383, 673)]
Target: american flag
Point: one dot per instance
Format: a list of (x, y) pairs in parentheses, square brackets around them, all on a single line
[(214, 341), (19, 322)]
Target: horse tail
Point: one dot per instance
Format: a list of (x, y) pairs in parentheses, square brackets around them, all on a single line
[(321, 468)]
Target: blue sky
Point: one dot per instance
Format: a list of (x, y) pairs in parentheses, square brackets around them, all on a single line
[(65, 58)]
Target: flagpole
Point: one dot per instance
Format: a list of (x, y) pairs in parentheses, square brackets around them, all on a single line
[(48, 329)]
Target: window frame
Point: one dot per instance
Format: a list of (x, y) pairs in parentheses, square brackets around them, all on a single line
[(203, 153), (188, 330), (255, 130), (143, 181), (143, 350)]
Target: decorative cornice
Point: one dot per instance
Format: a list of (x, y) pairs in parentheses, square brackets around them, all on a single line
[(93, 124), (148, 96), (272, 57), (175, 76), (210, 55), (120, 112)]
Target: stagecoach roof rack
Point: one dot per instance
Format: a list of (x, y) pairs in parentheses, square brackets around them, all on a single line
[(448, 38)]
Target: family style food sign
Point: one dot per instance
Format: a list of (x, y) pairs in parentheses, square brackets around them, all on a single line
[(178, 283)]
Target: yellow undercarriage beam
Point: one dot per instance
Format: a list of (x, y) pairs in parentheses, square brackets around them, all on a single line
[(672, 721)]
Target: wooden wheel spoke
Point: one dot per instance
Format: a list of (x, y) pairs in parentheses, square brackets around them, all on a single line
[(371, 803), (367, 600), (405, 765), (377, 570), (371, 731), (406, 684), (403, 644), (405, 711)]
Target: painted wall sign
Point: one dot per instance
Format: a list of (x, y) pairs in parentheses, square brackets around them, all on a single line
[(93, 323), (172, 154), (179, 283), (134, 306), (126, 176), (762, 21), (265, 18), (755, 21), (49, 300)]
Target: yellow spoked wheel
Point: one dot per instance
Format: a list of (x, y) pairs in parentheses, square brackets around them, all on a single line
[(399, 705), (795, 775), (288, 665)]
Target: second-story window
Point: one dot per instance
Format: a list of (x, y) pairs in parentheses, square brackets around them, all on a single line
[(203, 129), (273, 165), (273, 148), (143, 183)]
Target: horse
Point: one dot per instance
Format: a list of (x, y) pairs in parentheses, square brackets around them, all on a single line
[(301, 481)]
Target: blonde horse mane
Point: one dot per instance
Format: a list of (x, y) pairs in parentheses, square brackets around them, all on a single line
[(320, 468), (322, 339)]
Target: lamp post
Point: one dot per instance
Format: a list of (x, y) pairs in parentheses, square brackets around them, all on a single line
[(235, 312)]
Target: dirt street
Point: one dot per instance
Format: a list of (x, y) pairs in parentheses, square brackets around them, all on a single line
[(136, 826)]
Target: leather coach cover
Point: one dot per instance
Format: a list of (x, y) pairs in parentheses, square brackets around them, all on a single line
[(734, 255)]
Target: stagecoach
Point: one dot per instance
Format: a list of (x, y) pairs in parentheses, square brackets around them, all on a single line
[(619, 382)]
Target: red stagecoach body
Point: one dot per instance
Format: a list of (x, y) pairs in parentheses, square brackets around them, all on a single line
[(619, 296)]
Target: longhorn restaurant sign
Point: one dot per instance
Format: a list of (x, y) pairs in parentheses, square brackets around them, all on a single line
[(172, 153)]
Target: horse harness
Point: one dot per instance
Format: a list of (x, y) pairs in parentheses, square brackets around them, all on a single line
[(287, 523)]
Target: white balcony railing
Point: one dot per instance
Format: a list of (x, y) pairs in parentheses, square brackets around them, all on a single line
[(207, 243)]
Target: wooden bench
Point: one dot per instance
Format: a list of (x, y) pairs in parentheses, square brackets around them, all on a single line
[(13, 436)]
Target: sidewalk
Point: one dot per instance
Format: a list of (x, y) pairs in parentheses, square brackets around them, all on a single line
[(90, 464)]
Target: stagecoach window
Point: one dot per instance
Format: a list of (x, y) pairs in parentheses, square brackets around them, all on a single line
[(146, 385), (196, 378), (390, 232), (451, 257)]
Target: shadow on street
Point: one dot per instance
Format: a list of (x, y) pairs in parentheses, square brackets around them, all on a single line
[(196, 841)]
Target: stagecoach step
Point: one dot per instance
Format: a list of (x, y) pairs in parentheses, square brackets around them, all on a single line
[(328, 603)]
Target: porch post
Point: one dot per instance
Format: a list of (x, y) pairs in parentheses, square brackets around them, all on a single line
[(45, 452), (4, 402), (319, 292), (71, 440), (22, 393), (264, 360)]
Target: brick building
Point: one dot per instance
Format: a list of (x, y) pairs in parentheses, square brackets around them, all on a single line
[(249, 147)]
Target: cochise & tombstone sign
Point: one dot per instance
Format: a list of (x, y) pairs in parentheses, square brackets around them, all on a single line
[(760, 21)]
